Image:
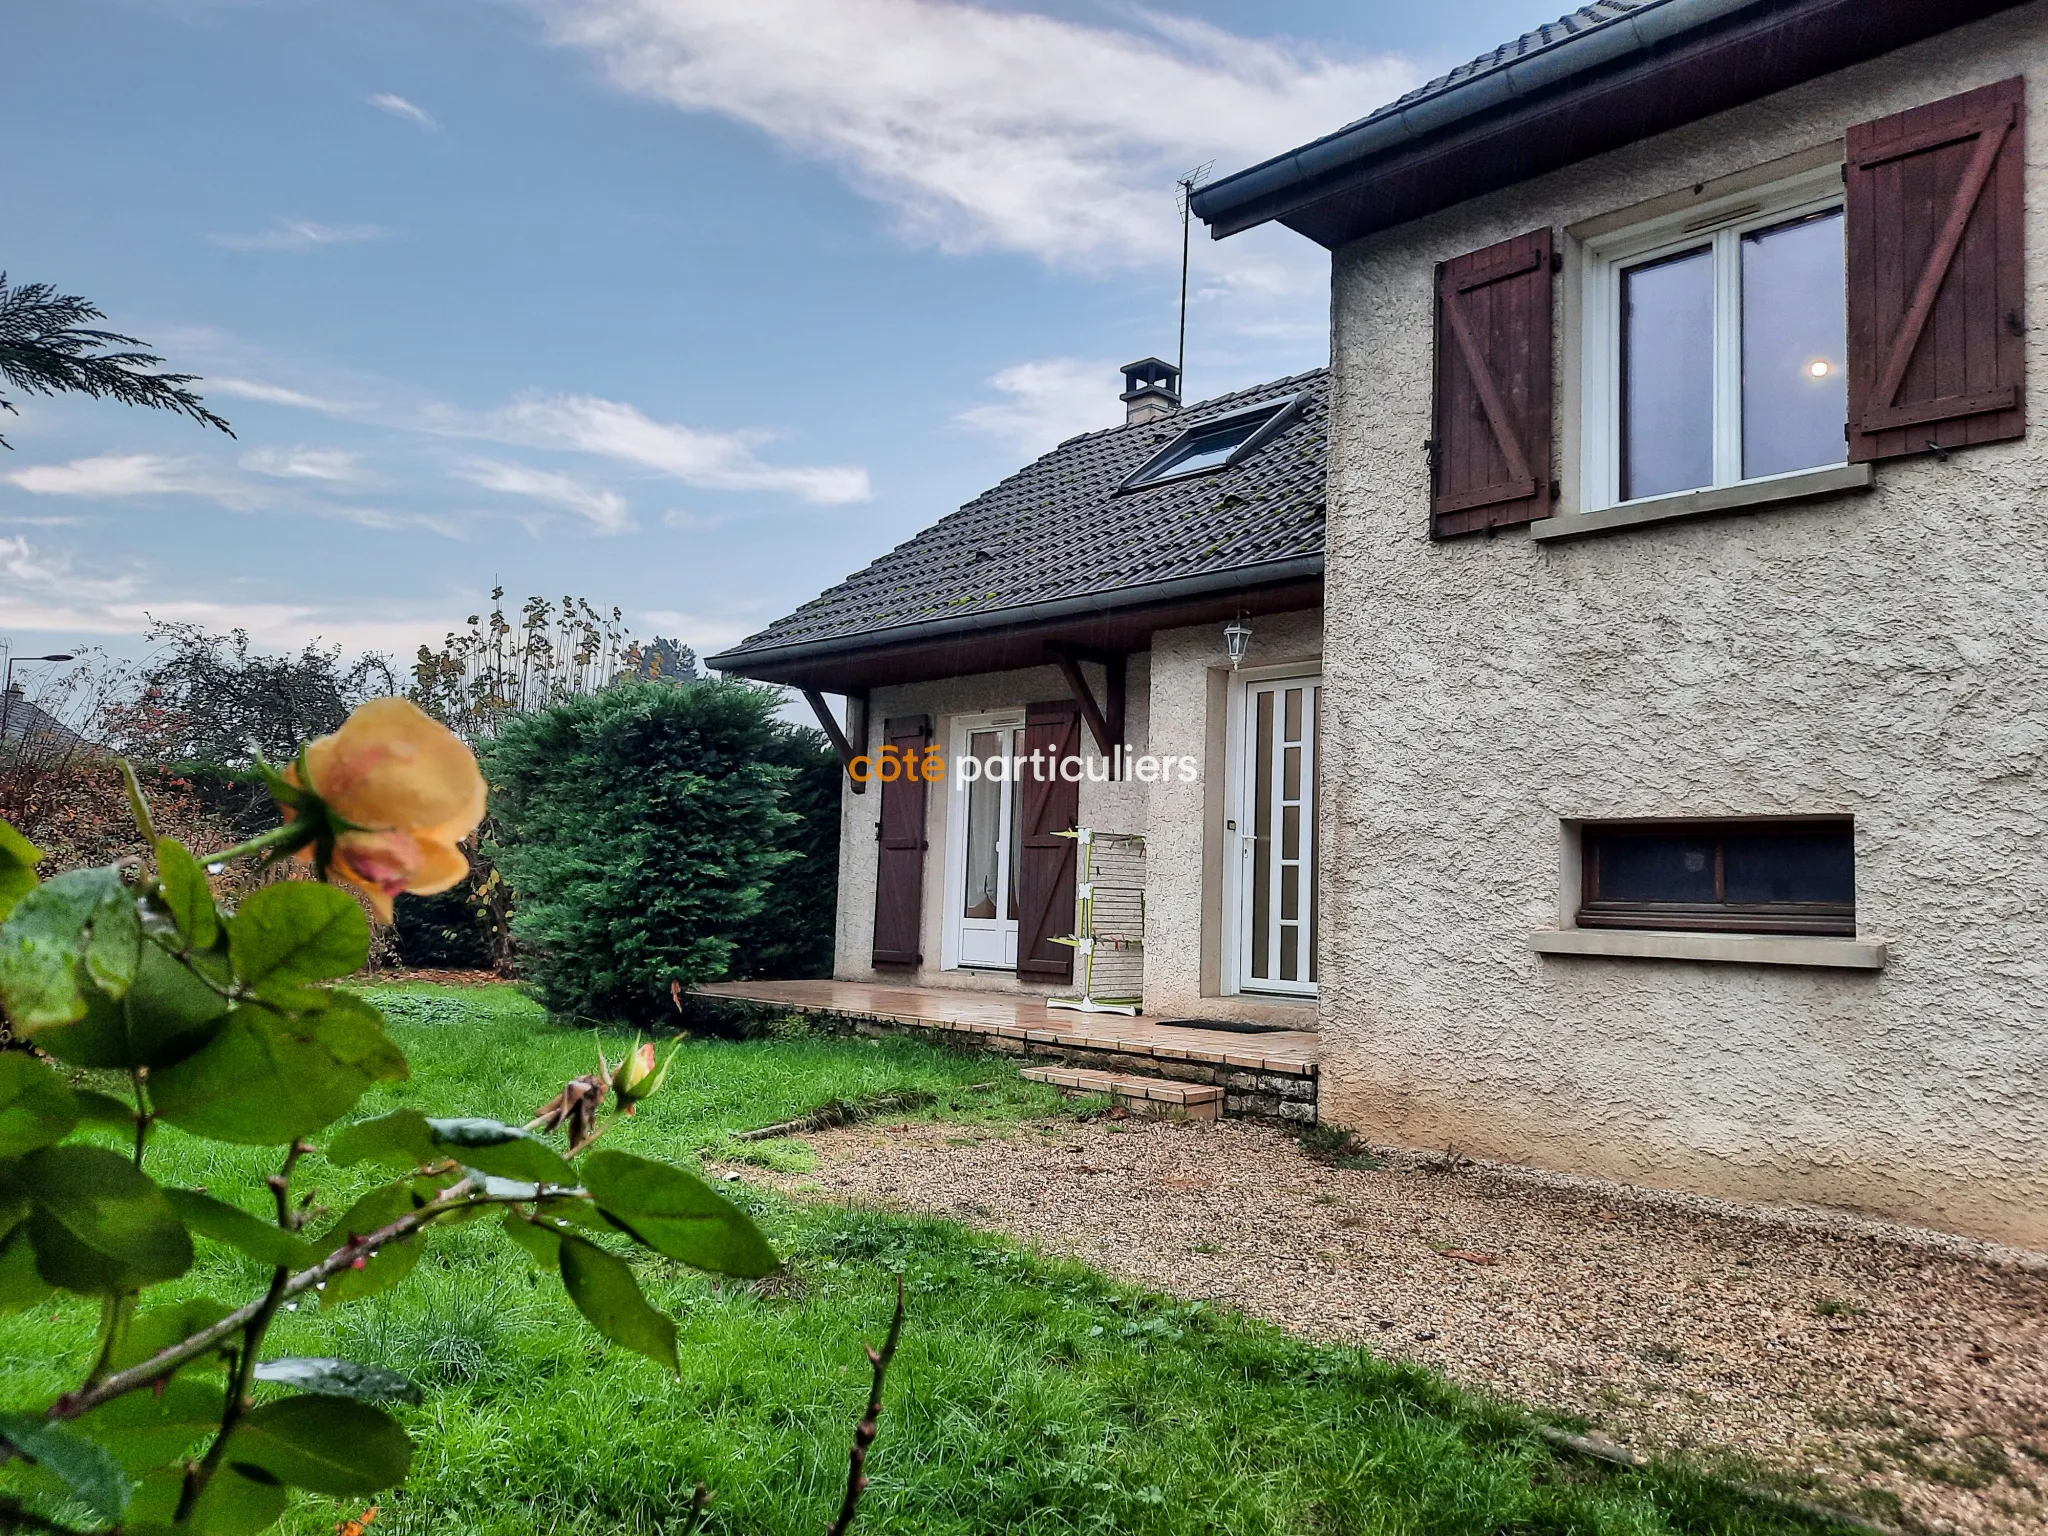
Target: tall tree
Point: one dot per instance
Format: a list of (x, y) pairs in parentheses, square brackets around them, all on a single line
[(48, 347), (494, 669), (206, 699)]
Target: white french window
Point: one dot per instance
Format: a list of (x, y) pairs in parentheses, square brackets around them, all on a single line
[(1715, 345)]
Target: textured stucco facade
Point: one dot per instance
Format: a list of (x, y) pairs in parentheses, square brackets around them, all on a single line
[(1883, 655), (1116, 807), (1176, 706)]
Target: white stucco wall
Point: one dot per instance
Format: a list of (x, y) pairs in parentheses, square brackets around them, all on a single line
[(1884, 655), (1112, 806), (1175, 707), (1183, 850)]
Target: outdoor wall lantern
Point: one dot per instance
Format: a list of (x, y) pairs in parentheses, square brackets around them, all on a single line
[(1237, 639)]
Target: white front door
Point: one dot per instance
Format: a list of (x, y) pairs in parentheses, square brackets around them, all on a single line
[(1275, 827), (982, 821)]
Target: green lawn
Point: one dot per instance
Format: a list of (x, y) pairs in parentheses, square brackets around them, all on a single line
[(1029, 1396)]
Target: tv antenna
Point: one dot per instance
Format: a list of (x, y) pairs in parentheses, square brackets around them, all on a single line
[(1186, 183)]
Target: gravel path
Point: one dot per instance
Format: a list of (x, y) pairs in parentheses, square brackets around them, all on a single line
[(1869, 1358)]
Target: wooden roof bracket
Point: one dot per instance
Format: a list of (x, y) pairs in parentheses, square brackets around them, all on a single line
[(1105, 720), (857, 723)]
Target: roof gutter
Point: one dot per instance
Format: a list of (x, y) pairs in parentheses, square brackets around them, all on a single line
[(1669, 63), (1227, 206), (1155, 594)]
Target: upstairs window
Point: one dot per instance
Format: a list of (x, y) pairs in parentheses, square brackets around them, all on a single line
[(1716, 347), (1775, 876), (1213, 445)]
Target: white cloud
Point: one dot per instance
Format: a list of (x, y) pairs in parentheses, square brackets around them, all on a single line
[(333, 465), (22, 568), (302, 235), (1048, 401), (398, 106), (277, 394), (309, 474), (719, 461), (989, 128), (112, 474), (46, 593), (604, 510), (702, 634)]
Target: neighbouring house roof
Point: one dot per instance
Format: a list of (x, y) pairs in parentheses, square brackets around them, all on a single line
[(30, 729), (1058, 546), (1604, 76)]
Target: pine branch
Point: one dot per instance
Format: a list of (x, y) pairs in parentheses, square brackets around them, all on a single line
[(864, 1432), (47, 348)]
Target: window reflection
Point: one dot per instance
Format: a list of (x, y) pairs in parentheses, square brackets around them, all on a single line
[(1667, 375), (984, 828), (1795, 389)]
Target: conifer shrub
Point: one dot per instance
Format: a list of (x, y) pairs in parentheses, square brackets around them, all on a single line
[(641, 829)]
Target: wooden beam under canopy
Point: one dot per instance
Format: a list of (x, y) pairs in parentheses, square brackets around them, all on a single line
[(1105, 720), (856, 717)]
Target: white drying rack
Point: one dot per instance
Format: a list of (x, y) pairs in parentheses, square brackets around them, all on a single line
[(1109, 923)]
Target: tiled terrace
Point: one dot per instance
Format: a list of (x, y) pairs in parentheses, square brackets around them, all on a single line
[(1271, 1075)]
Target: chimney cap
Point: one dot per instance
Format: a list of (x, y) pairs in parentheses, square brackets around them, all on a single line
[(1151, 390), (1151, 375)]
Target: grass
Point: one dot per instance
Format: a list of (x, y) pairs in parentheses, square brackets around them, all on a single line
[(1030, 1396)]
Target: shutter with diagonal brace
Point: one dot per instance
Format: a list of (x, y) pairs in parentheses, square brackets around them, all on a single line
[(1045, 862), (899, 859), (1937, 308), (1490, 439)]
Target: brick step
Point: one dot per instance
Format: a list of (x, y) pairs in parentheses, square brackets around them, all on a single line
[(1146, 1095)]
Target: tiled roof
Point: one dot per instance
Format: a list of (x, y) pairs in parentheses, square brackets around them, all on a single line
[(31, 727), (1587, 18), (1058, 529)]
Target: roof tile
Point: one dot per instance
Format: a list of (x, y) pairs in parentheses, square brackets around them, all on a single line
[(1058, 528), (1587, 18)]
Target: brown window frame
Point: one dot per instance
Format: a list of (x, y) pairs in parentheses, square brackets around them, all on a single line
[(1813, 918)]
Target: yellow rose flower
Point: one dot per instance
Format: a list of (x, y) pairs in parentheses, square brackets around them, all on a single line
[(410, 791)]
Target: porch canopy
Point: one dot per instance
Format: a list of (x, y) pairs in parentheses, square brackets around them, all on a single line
[(1079, 557)]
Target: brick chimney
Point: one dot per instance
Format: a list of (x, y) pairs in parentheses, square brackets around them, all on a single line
[(1151, 390)]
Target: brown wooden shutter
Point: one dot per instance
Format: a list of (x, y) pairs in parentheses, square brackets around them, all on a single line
[(1490, 439), (1937, 311), (899, 863), (1045, 863)]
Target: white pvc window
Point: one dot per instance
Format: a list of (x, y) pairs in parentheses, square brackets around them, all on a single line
[(1715, 345)]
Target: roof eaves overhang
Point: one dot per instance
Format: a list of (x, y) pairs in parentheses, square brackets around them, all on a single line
[(995, 641), (1642, 74)]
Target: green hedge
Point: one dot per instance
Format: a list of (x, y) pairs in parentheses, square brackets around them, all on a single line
[(642, 830)]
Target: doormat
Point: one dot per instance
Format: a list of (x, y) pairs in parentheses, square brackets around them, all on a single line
[(1226, 1026)]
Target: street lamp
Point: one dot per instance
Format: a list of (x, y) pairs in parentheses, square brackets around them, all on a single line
[(7, 692)]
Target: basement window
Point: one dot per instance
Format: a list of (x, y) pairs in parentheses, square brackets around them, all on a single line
[(1781, 875), (1214, 444)]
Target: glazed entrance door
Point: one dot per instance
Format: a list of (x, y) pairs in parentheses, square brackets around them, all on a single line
[(1276, 830), (986, 819)]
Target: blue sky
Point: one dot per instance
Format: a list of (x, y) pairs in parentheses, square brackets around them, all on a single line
[(685, 306)]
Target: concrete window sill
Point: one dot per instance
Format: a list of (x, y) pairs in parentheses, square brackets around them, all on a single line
[(1811, 485), (1736, 948)]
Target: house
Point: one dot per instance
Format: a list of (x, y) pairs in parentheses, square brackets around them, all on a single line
[(31, 734), (1686, 654), (1072, 621)]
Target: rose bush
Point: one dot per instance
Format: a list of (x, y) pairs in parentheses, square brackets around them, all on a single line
[(226, 1028)]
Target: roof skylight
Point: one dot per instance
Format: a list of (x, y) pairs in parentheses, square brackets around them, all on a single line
[(1212, 445)]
